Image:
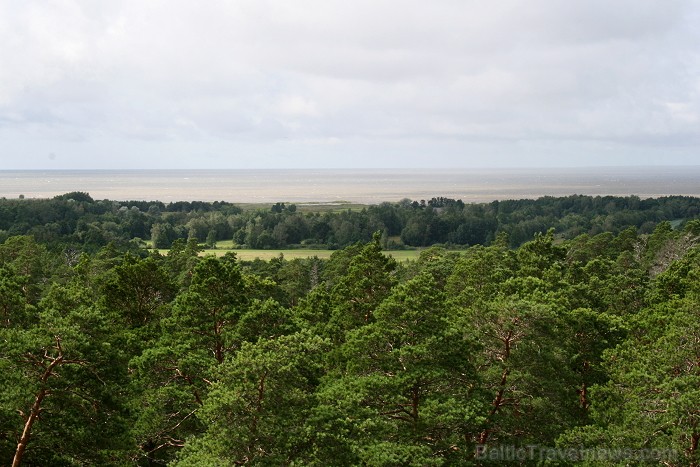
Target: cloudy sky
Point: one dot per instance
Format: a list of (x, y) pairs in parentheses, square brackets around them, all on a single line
[(363, 83)]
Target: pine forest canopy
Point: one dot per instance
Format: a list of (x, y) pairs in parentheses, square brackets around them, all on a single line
[(564, 329)]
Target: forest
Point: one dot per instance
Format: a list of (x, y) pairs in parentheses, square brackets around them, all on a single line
[(77, 221), (563, 331)]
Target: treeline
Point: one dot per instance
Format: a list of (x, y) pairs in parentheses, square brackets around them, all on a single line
[(582, 346), (76, 220)]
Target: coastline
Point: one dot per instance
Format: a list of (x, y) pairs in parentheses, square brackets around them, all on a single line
[(356, 186)]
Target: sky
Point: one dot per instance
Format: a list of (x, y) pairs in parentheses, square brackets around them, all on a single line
[(365, 83)]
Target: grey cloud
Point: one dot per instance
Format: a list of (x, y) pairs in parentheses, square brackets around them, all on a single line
[(339, 76)]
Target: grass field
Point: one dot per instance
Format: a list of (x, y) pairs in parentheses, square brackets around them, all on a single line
[(266, 255)]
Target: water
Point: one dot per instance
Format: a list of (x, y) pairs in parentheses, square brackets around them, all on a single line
[(352, 185)]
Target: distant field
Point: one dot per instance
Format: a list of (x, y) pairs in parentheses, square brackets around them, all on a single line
[(266, 255)]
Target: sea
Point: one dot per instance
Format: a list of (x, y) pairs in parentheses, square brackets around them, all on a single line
[(363, 186)]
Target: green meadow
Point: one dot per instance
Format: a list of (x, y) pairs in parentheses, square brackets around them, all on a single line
[(249, 255), (245, 254), (266, 255)]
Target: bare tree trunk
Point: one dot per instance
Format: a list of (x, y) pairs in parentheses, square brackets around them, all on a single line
[(27, 432), (583, 397), (498, 401), (496, 405), (36, 406), (694, 440)]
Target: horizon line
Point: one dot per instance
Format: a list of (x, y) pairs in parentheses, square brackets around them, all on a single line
[(436, 169)]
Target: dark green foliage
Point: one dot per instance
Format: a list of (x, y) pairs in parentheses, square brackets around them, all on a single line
[(15, 310), (138, 290), (652, 397), (113, 356), (256, 412), (205, 314), (522, 364), (62, 380), (76, 196), (76, 220), (361, 289), (406, 386)]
